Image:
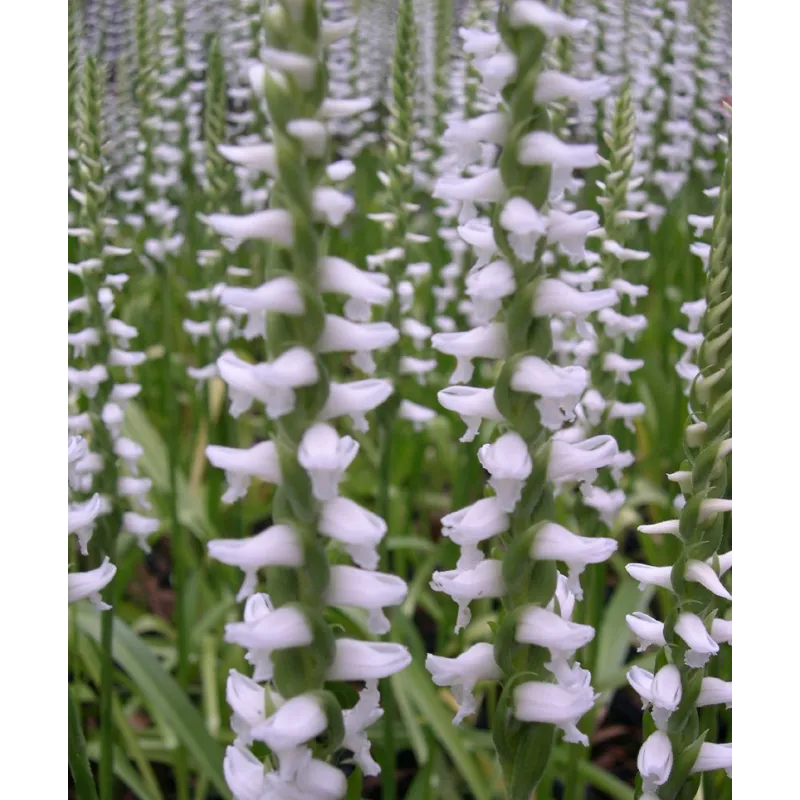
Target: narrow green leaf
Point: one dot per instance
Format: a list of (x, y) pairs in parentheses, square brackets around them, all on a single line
[(613, 637), (78, 760), (162, 693), (124, 770)]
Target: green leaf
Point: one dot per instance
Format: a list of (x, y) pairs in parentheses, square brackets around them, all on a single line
[(154, 463), (124, 770), (163, 696), (613, 636), (78, 760), (416, 683)]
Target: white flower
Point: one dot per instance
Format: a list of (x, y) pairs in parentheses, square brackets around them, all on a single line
[(331, 206), (318, 779), (691, 629), (472, 404), (634, 291), (357, 529), (272, 383), (463, 673), (550, 703), (333, 108), (141, 527), (551, 23), (560, 388), (374, 591), (714, 691), (488, 341), (278, 545), (325, 456), (265, 630), (722, 631), (478, 42), (624, 254), (556, 297), (340, 170), (417, 414), (525, 225), (487, 287), (714, 756), (340, 276), (342, 335), (364, 713), (486, 187), (255, 156), (81, 517), (663, 693), (647, 630), (244, 774), (554, 542), (297, 721), (544, 628), (279, 294), (357, 660), (580, 461), (696, 571), (541, 147), (485, 580), (416, 331), (569, 232), (552, 85), (274, 225), (606, 503), (246, 699), (311, 133), (654, 761), (87, 380), (479, 235), (355, 399), (471, 525), (618, 324), (88, 584), (510, 465), (621, 366), (242, 464)]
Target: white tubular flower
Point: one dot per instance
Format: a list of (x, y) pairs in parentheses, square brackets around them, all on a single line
[(463, 673), (487, 187), (560, 388), (618, 325), (554, 542), (265, 630), (278, 545), (359, 531), (607, 504), (592, 406), (325, 456), (364, 713), (357, 660), (550, 703), (621, 366), (672, 526), (544, 628), (541, 147), (551, 23), (418, 415), (485, 580), (714, 691), (714, 756), (373, 591), (278, 295), (81, 517), (701, 645), (312, 135), (478, 234), (472, 404), (87, 585), (525, 225), (418, 332), (255, 156), (409, 365), (554, 297), (647, 630), (552, 85), (247, 701), (581, 460), (569, 231), (331, 206), (471, 525), (87, 380), (509, 463), (631, 290), (355, 399), (319, 780), (665, 694), (340, 276), (141, 527), (341, 335), (722, 631), (296, 722), (696, 571), (244, 774), (654, 761), (623, 254), (487, 287), (488, 341), (274, 225), (242, 464)]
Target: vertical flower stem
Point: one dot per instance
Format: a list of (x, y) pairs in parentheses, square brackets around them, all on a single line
[(177, 534), (78, 759)]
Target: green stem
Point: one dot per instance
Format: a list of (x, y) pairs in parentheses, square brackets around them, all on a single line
[(178, 535), (598, 777), (78, 759), (106, 766)]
